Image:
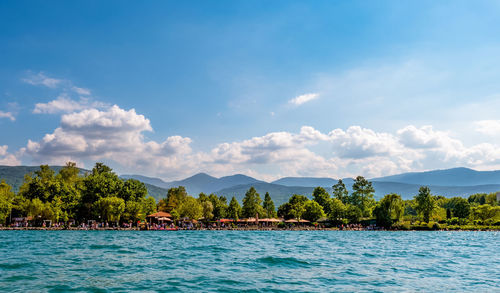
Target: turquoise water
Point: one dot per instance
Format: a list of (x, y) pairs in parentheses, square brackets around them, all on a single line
[(228, 261)]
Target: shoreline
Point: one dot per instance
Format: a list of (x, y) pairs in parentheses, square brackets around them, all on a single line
[(239, 229)]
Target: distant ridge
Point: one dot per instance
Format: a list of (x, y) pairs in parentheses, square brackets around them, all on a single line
[(447, 177), (200, 182), (449, 182)]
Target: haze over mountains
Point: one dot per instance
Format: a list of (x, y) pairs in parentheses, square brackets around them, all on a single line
[(449, 182)]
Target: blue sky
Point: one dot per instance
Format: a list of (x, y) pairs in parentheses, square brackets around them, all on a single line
[(264, 88)]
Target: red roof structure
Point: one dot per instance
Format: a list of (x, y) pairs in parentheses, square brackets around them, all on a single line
[(160, 215)]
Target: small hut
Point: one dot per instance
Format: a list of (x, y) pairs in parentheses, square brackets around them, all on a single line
[(159, 218)]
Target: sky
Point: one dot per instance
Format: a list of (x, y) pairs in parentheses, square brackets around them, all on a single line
[(263, 88)]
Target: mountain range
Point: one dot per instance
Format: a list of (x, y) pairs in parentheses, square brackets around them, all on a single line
[(449, 182)]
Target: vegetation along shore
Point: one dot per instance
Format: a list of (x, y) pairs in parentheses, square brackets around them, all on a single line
[(99, 199)]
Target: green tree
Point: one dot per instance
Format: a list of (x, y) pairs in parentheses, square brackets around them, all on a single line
[(190, 208), (234, 209), (251, 204), (101, 183), (389, 210), (149, 205), (175, 196), (6, 201), (485, 212), (425, 203), (353, 213), (362, 195), (133, 211), (322, 197), (207, 209), (477, 199), (337, 209), (458, 206), (133, 190), (295, 207), (268, 205), (219, 206), (340, 192), (111, 208), (313, 211)]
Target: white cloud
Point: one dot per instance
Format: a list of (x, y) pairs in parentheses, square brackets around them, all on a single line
[(64, 104), (117, 135), (8, 115), (6, 158), (488, 127), (42, 79), (299, 100), (81, 91)]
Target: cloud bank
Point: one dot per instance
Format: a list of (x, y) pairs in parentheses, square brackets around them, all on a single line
[(118, 135)]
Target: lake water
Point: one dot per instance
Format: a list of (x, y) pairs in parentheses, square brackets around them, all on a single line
[(229, 261)]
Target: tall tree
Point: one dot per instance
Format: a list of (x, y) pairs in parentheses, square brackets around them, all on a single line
[(234, 209), (6, 201), (337, 209), (268, 206), (340, 192), (322, 197), (362, 195), (101, 183), (425, 203), (175, 196), (219, 206), (389, 210), (313, 211), (251, 204), (190, 208), (207, 209)]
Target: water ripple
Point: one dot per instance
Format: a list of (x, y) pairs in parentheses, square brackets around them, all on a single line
[(248, 261)]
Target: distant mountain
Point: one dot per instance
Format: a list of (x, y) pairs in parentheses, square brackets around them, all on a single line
[(451, 182), (281, 193), (148, 180), (448, 177), (310, 181), (200, 182)]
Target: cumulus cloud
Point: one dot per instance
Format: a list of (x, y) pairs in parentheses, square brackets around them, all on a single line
[(64, 104), (42, 79), (8, 115), (117, 135), (488, 127), (6, 158), (299, 100)]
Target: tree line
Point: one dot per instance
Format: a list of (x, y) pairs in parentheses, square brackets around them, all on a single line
[(102, 195)]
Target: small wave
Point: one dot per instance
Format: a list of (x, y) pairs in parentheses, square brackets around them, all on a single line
[(104, 246), (20, 278), (14, 266), (283, 261)]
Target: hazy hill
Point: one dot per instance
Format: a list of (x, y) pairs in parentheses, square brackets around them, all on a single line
[(200, 182), (448, 177), (148, 180), (310, 181), (466, 182), (281, 193)]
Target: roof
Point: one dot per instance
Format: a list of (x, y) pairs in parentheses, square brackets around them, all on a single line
[(270, 220), (159, 215)]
